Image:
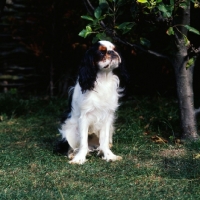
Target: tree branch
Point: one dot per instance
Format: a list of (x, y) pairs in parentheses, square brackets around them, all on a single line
[(113, 34), (135, 46), (87, 3), (197, 111)]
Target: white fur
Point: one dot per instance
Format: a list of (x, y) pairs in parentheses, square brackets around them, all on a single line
[(94, 112)]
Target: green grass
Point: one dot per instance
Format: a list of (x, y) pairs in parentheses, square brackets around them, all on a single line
[(30, 170)]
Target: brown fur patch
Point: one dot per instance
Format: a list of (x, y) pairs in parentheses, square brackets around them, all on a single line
[(102, 48), (93, 140)]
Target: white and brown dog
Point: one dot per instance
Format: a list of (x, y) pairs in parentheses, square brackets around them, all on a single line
[(94, 100)]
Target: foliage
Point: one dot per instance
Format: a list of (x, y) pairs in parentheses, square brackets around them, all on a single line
[(40, 43), (30, 170), (145, 22)]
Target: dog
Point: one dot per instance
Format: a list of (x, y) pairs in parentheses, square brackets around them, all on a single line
[(89, 123)]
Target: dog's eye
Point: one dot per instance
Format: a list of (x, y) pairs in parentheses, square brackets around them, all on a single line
[(103, 52)]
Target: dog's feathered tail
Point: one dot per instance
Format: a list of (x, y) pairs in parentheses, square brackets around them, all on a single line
[(61, 147)]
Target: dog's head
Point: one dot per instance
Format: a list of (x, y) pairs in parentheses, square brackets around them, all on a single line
[(102, 56), (106, 57)]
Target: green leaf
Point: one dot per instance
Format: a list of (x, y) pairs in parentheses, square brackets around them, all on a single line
[(103, 1), (95, 39), (123, 25), (103, 4), (142, 1), (172, 2), (87, 17), (190, 62), (85, 32), (183, 5), (88, 29), (191, 29), (82, 33), (120, 2), (166, 10), (145, 42), (187, 42), (126, 27), (98, 12), (101, 36), (170, 31)]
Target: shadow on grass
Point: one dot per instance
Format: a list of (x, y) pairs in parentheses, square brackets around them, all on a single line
[(180, 161), (181, 168)]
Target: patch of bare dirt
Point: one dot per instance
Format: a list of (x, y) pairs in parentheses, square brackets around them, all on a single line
[(172, 153)]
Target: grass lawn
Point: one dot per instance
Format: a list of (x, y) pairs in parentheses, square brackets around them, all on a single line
[(153, 165)]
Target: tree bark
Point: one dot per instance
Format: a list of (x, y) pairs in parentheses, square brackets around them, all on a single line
[(184, 80)]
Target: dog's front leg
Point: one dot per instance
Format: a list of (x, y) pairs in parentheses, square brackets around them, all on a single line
[(104, 143), (80, 157)]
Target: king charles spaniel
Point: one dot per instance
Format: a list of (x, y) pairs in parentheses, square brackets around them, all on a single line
[(94, 100)]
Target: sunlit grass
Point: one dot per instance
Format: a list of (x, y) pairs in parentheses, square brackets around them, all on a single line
[(149, 170)]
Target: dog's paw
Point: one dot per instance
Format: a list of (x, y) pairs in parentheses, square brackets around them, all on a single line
[(78, 159), (71, 156), (72, 153), (112, 159), (109, 156)]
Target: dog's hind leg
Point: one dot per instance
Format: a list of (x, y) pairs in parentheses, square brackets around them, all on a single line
[(69, 131)]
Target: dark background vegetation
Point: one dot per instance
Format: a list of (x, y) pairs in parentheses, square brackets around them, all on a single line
[(40, 51)]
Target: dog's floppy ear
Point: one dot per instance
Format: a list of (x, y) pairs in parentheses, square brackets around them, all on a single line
[(87, 71), (123, 72)]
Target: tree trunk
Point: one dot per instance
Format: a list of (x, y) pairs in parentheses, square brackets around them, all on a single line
[(184, 80)]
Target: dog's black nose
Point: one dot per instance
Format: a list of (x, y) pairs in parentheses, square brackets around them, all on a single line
[(111, 52)]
